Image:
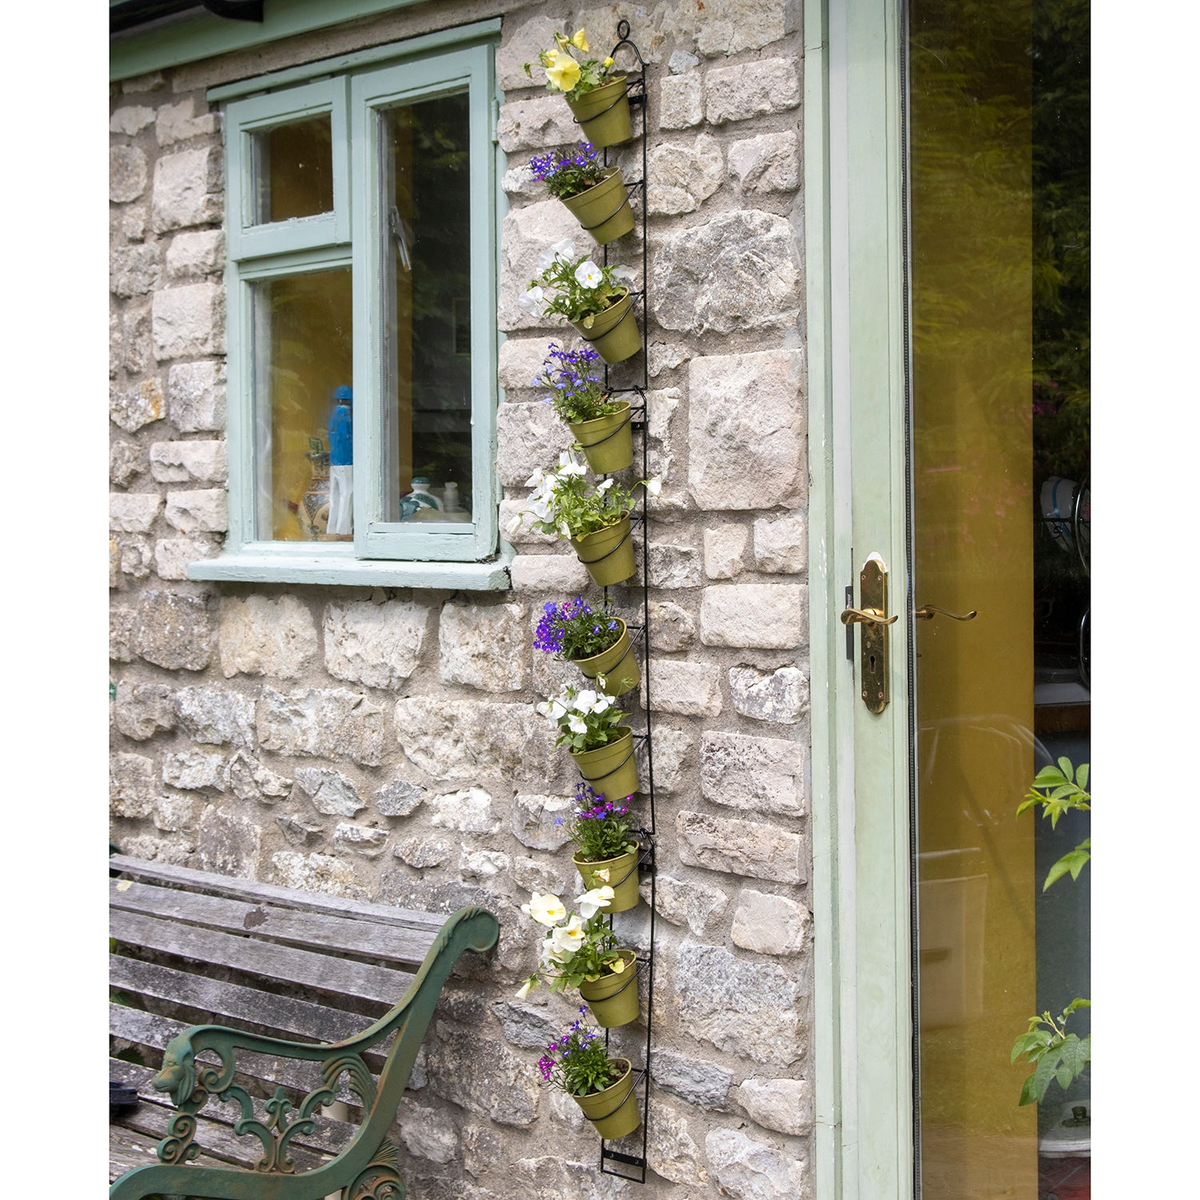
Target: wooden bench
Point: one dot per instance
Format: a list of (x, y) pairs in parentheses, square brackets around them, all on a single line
[(311, 983)]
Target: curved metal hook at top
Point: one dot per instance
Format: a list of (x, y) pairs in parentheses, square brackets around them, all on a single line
[(623, 40)]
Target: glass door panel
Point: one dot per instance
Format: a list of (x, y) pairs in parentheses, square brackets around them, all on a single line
[(998, 101)]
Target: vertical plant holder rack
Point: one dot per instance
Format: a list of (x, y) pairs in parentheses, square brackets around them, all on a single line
[(626, 382)]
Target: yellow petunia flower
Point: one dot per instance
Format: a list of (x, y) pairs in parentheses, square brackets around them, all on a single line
[(580, 40), (608, 62), (564, 75)]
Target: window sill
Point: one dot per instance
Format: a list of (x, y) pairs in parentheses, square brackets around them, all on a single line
[(337, 565)]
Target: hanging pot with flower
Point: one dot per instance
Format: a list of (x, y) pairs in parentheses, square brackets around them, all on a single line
[(594, 517), (579, 1064), (595, 640), (596, 300), (606, 852), (595, 195), (581, 952), (593, 730), (595, 90), (575, 390)]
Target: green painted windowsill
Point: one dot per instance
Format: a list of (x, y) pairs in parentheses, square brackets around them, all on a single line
[(336, 564)]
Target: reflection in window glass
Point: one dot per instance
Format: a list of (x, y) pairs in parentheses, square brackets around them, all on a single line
[(293, 170), (427, 279), (302, 356)]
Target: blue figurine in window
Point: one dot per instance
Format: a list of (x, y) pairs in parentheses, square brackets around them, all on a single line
[(341, 459)]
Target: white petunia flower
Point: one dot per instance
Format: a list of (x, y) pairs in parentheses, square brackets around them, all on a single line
[(591, 902), (569, 465), (545, 909), (654, 486), (533, 302), (603, 703), (564, 250), (603, 487), (588, 275), (525, 989), (584, 700), (576, 724)]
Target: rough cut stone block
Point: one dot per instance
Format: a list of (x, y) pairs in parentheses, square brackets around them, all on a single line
[(681, 104), (178, 122), (671, 627), (519, 363), (315, 873), (249, 779), (215, 716), (676, 1156), (526, 233), (188, 321), (723, 27), (754, 773), (322, 723), (379, 645), (187, 189), (126, 460), (536, 876), (176, 814), (699, 1082), (769, 924), (468, 811), (483, 864), (172, 555), (674, 752), (132, 408), (724, 551), (428, 1133), (536, 124), (399, 798), (780, 696), (738, 271), (689, 689), (173, 632), (186, 462), (781, 546), (134, 353), (673, 567), (134, 270), (740, 847), (127, 174), (521, 45), (229, 844), (751, 89), (482, 1076), (533, 821), (683, 177), (553, 1177), (132, 785), (134, 556), (329, 791), (133, 512), (359, 839), (422, 853), (562, 573), (529, 436), (730, 1002), (195, 770), (767, 163), (754, 615), (130, 119), (697, 904), (750, 1170), (263, 636), (526, 1026), (784, 1105), (471, 740), (196, 397), (484, 646), (191, 255)]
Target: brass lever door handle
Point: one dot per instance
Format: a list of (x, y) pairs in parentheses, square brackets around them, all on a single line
[(928, 611), (867, 616)]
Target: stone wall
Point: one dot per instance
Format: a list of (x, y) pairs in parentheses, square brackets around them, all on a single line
[(383, 743)]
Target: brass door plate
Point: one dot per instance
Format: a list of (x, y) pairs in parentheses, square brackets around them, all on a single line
[(874, 642)]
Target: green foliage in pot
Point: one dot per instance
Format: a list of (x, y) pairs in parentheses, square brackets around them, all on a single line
[(1059, 789), (567, 173), (580, 946), (573, 630), (574, 385), (599, 828), (574, 287), (578, 1062), (586, 719)]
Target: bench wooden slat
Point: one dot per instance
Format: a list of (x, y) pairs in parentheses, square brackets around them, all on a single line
[(330, 1136), (338, 975), (333, 935), (245, 889), (282, 1015), (128, 1149)]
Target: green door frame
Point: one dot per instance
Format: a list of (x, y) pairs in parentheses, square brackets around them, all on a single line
[(858, 505)]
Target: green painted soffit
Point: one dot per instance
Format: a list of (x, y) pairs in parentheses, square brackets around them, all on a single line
[(204, 35)]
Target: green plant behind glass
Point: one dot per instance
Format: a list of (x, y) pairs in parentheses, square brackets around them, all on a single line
[(1056, 1054)]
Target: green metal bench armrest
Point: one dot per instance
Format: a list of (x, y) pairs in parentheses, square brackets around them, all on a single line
[(191, 1083)]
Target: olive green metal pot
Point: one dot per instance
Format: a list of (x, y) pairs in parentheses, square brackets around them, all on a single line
[(614, 1111), (613, 998), (606, 442), (603, 210), (607, 553), (614, 333), (603, 114), (610, 768), (620, 874), (618, 665)]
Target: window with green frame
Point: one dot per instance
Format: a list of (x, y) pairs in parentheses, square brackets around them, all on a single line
[(361, 217)]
